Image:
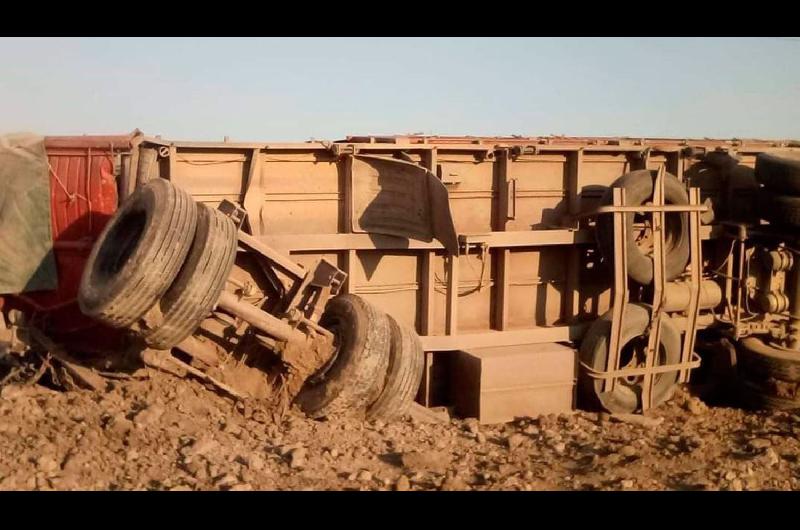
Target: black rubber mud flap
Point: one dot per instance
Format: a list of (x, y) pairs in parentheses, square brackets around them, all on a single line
[(400, 198)]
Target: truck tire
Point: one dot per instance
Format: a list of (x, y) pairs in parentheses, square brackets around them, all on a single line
[(353, 381), (781, 210), (639, 189), (779, 172), (759, 361), (406, 364), (769, 377), (626, 396), (756, 397), (196, 289), (138, 254)]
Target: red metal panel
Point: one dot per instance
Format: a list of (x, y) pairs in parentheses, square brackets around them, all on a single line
[(83, 196)]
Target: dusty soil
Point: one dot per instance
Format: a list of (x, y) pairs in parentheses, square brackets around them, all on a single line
[(169, 433)]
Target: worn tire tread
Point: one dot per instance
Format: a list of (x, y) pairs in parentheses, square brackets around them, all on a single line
[(196, 289), (782, 210), (594, 350), (359, 376), (779, 172), (151, 268), (638, 186), (403, 377)]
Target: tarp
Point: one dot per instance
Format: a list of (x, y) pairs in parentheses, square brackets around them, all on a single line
[(27, 262)]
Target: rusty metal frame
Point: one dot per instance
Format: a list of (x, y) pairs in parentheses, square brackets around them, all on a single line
[(695, 266), (659, 280), (292, 319), (302, 303), (281, 261), (310, 288), (689, 359), (502, 239), (537, 335), (620, 297)]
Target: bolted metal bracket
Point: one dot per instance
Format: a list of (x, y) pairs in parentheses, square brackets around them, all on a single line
[(234, 211), (340, 150)]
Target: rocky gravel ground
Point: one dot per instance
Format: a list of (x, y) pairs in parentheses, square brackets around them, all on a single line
[(165, 433)]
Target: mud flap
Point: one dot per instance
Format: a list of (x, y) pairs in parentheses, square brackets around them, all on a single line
[(399, 198), (27, 262)]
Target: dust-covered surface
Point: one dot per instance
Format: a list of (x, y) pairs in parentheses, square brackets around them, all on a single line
[(169, 433)]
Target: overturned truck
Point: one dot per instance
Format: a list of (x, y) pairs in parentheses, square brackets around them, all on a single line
[(499, 277)]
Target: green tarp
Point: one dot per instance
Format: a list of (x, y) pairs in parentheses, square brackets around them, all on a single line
[(26, 242)]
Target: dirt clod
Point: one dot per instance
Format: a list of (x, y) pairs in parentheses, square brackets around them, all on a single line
[(425, 461), (695, 406), (297, 457), (515, 440), (402, 484), (758, 444), (637, 419), (471, 425)]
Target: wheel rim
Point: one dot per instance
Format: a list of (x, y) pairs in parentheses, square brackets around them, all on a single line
[(643, 231), (125, 236), (633, 355)]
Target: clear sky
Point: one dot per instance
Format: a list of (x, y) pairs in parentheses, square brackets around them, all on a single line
[(294, 89)]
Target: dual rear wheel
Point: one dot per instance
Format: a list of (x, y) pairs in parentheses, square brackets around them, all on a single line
[(161, 263), (376, 369), (627, 394), (626, 397)]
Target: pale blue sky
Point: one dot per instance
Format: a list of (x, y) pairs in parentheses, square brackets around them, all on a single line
[(294, 89)]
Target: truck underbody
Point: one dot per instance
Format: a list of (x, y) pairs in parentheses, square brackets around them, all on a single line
[(528, 275)]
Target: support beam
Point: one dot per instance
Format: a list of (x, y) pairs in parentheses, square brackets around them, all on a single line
[(257, 318), (502, 338), (281, 260), (503, 279), (451, 321), (172, 162), (794, 305), (253, 199), (335, 242), (349, 264), (427, 282)]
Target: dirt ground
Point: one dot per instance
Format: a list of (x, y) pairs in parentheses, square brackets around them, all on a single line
[(163, 432)]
